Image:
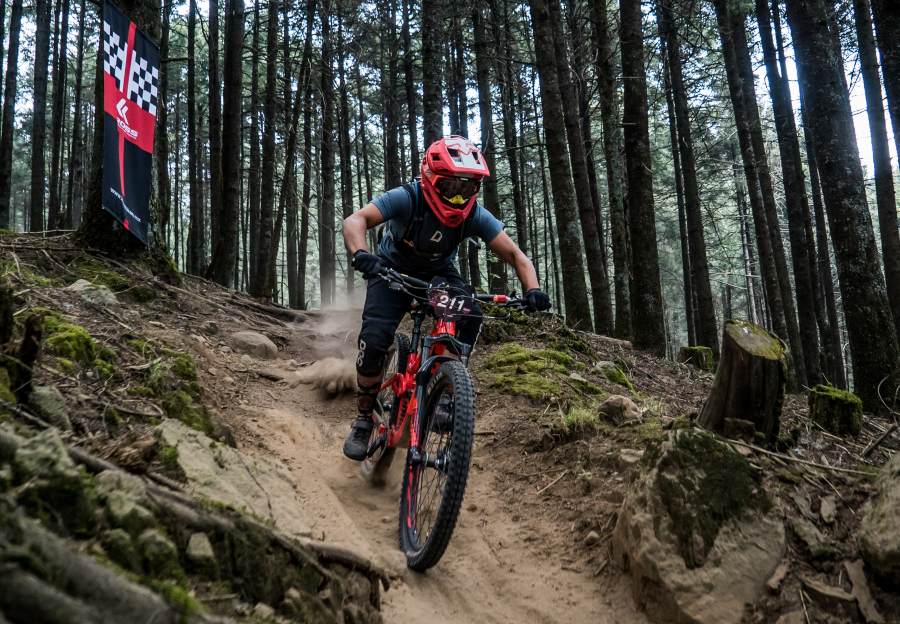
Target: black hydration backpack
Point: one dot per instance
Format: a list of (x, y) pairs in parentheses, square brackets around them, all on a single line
[(425, 236)]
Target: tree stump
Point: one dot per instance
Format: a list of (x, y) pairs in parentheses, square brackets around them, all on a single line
[(749, 383), (836, 410), (697, 356)]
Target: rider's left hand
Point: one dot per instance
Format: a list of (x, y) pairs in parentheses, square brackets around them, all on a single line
[(537, 300), (366, 263)]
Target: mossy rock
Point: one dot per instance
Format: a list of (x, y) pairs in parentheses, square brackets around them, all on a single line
[(523, 371), (179, 597), (119, 548), (698, 356), (73, 344), (159, 555), (702, 484), (616, 375), (97, 271), (835, 410), (140, 293), (6, 394)]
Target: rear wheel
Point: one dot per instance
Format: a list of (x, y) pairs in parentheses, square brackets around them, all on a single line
[(434, 484), (375, 467)]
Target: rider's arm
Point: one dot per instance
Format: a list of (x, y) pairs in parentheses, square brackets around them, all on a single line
[(509, 252), (356, 225)]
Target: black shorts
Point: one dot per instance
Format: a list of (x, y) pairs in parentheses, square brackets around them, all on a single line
[(385, 308)]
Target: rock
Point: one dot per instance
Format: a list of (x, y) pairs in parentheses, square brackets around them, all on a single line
[(629, 461), (618, 409), (826, 595), (93, 294), (816, 544), (791, 617), (837, 411), (699, 357), (879, 529), (828, 509), (255, 344), (159, 554), (109, 481), (591, 538), (42, 455), (201, 556), (118, 547), (697, 534), (860, 591), (49, 403), (777, 578), (126, 513), (263, 611), (210, 328)]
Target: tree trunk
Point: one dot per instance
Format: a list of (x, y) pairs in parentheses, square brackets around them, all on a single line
[(392, 169), (749, 383), (411, 86), (163, 185), (346, 164), (795, 195), (599, 280), (39, 115), (829, 327), (646, 295), (8, 117), (253, 174), (75, 188), (60, 71), (215, 128), (689, 301), (873, 340), (261, 281), (490, 198), (432, 106), (577, 309), (760, 224), (196, 227), (887, 28), (326, 205), (225, 246), (707, 333), (884, 175), (613, 151)]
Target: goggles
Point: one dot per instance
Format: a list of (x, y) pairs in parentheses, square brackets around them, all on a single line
[(457, 191)]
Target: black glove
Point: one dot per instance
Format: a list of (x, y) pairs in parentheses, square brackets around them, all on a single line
[(366, 263), (537, 300)]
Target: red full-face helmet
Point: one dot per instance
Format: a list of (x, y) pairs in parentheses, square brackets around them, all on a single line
[(452, 170)]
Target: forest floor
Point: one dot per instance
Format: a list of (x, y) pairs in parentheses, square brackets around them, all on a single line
[(532, 541)]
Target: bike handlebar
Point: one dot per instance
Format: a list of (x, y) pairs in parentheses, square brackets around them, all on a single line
[(407, 280)]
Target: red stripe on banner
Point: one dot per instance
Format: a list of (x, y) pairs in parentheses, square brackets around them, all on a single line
[(138, 125), (129, 52)]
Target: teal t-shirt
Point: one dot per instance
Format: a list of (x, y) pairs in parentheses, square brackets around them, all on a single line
[(428, 246)]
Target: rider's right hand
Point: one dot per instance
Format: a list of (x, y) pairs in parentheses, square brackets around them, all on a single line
[(366, 263), (537, 300)]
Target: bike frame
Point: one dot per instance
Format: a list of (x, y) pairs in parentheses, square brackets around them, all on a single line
[(422, 363)]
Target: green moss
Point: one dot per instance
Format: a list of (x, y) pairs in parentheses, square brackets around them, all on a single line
[(178, 597), (140, 293), (6, 395), (566, 339), (756, 340), (531, 385), (579, 419), (27, 274), (66, 365), (698, 356), (617, 376), (97, 271), (144, 391), (836, 410), (181, 405), (702, 484), (182, 365), (104, 368), (512, 354), (144, 347), (168, 457), (69, 341), (586, 387)]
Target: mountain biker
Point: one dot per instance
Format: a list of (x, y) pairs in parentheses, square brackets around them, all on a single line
[(426, 220)]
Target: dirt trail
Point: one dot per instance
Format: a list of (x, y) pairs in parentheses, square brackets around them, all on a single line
[(496, 569)]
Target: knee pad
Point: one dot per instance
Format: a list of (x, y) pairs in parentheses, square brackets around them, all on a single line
[(370, 361)]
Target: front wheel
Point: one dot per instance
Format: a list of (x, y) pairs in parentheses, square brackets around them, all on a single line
[(434, 479)]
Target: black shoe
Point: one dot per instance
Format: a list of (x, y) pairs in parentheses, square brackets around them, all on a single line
[(357, 443)]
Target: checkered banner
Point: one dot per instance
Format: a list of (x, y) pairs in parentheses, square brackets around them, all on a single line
[(130, 96)]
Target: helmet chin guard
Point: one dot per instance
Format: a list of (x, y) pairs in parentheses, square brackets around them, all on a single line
[(452, 170)]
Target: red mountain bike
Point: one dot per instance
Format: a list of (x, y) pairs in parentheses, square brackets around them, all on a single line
[(427, 402)]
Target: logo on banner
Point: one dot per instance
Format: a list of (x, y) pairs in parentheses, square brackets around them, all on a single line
[(131, 96)]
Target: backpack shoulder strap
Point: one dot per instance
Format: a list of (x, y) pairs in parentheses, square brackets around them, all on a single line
[(416, 214)]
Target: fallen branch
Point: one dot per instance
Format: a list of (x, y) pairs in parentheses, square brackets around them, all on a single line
[(877, 442), (552, 483), (806, 462)]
